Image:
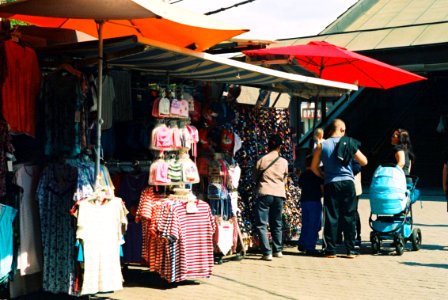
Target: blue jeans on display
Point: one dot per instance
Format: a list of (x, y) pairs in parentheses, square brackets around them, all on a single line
[(311, 224), (269, 211)]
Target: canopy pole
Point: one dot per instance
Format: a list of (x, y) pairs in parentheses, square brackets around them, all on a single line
[(100, 24)]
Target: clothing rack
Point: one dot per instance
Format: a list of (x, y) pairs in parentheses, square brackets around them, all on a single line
[(135, 163)]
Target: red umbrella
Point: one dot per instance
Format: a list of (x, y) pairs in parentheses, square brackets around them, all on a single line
[(336, 63)]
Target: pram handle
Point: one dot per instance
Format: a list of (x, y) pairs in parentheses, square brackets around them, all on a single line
[(413, 177), (414, 180)]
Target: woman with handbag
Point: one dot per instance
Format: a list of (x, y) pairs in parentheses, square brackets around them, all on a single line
[(271, 173)]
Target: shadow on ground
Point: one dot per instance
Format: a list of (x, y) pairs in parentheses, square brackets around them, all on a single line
[(414, 264)]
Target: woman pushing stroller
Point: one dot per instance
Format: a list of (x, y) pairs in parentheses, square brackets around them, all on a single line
[(402, 153), (392, 193)]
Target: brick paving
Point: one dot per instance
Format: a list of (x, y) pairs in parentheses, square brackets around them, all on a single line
[(419, 274)]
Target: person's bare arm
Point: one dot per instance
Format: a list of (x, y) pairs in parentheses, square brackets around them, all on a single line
[(399, 156), (316, 161), (361, 158)]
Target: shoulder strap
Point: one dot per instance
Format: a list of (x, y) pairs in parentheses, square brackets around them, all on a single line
[(272, 162)]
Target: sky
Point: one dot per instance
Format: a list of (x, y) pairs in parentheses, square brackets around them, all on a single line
[(273, 19)]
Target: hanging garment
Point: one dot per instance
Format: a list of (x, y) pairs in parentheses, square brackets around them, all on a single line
[(108, 99), (187, 247), (175, 171), (190, 172), (164, 107), (183, 108), (7, 215), (62, 97), (234, 174), (21, 86), (185, 139), (149, 201), (5, 148), (54, 194), (175, 108), (162, 137), (100, 227), (224, 235), (227, 140), (177, 136), (122, 107), (28, 278), (155, 108), (158, 173), (194, 139), (130, 190), (29, 260), (86, 177)]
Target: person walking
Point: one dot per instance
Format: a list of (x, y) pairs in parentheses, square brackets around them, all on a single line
[(310, 201), (339, 187), (271, 172)]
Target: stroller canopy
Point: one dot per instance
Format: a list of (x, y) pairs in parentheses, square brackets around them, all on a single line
[(388, 189)]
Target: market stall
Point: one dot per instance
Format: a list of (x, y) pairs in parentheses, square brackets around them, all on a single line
[(65, 131)]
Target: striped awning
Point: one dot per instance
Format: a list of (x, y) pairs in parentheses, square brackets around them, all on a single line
[(164, 61)]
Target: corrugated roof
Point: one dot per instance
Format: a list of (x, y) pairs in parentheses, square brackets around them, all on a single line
[(382, 24), (378, 14)]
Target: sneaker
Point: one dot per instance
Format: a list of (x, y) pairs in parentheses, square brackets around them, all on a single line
[(267, 257), (278, 254), (352, 255), (328, 254), (301, 248)]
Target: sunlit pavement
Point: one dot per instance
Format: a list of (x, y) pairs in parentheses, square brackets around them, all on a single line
[(419, 274)]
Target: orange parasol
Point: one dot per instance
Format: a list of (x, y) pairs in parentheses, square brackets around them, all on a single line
[(151, 19)]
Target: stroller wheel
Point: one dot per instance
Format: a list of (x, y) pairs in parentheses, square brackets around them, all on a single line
[(399, 244), (416, 239), (376, 243)]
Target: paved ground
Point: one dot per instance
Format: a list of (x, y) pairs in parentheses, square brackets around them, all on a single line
[(414, 275)]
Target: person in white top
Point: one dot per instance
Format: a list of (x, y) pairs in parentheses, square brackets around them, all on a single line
[(318, 137)]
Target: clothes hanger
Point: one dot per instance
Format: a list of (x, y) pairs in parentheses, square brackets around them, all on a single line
[(67, 67)]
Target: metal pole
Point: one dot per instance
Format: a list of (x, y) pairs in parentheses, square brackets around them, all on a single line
[(100, 100), (276, 99)]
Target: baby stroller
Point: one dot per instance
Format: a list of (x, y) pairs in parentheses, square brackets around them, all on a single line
[(391, 200)]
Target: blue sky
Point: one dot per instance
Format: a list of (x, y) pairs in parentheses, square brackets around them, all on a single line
[(274, 19)]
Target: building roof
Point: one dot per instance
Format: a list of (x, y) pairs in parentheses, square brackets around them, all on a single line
[(385, 24)]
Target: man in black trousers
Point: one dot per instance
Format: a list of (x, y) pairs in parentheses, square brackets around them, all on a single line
[(339, 187)]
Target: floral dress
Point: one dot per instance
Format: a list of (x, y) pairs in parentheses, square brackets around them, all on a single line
[(55, 198)]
